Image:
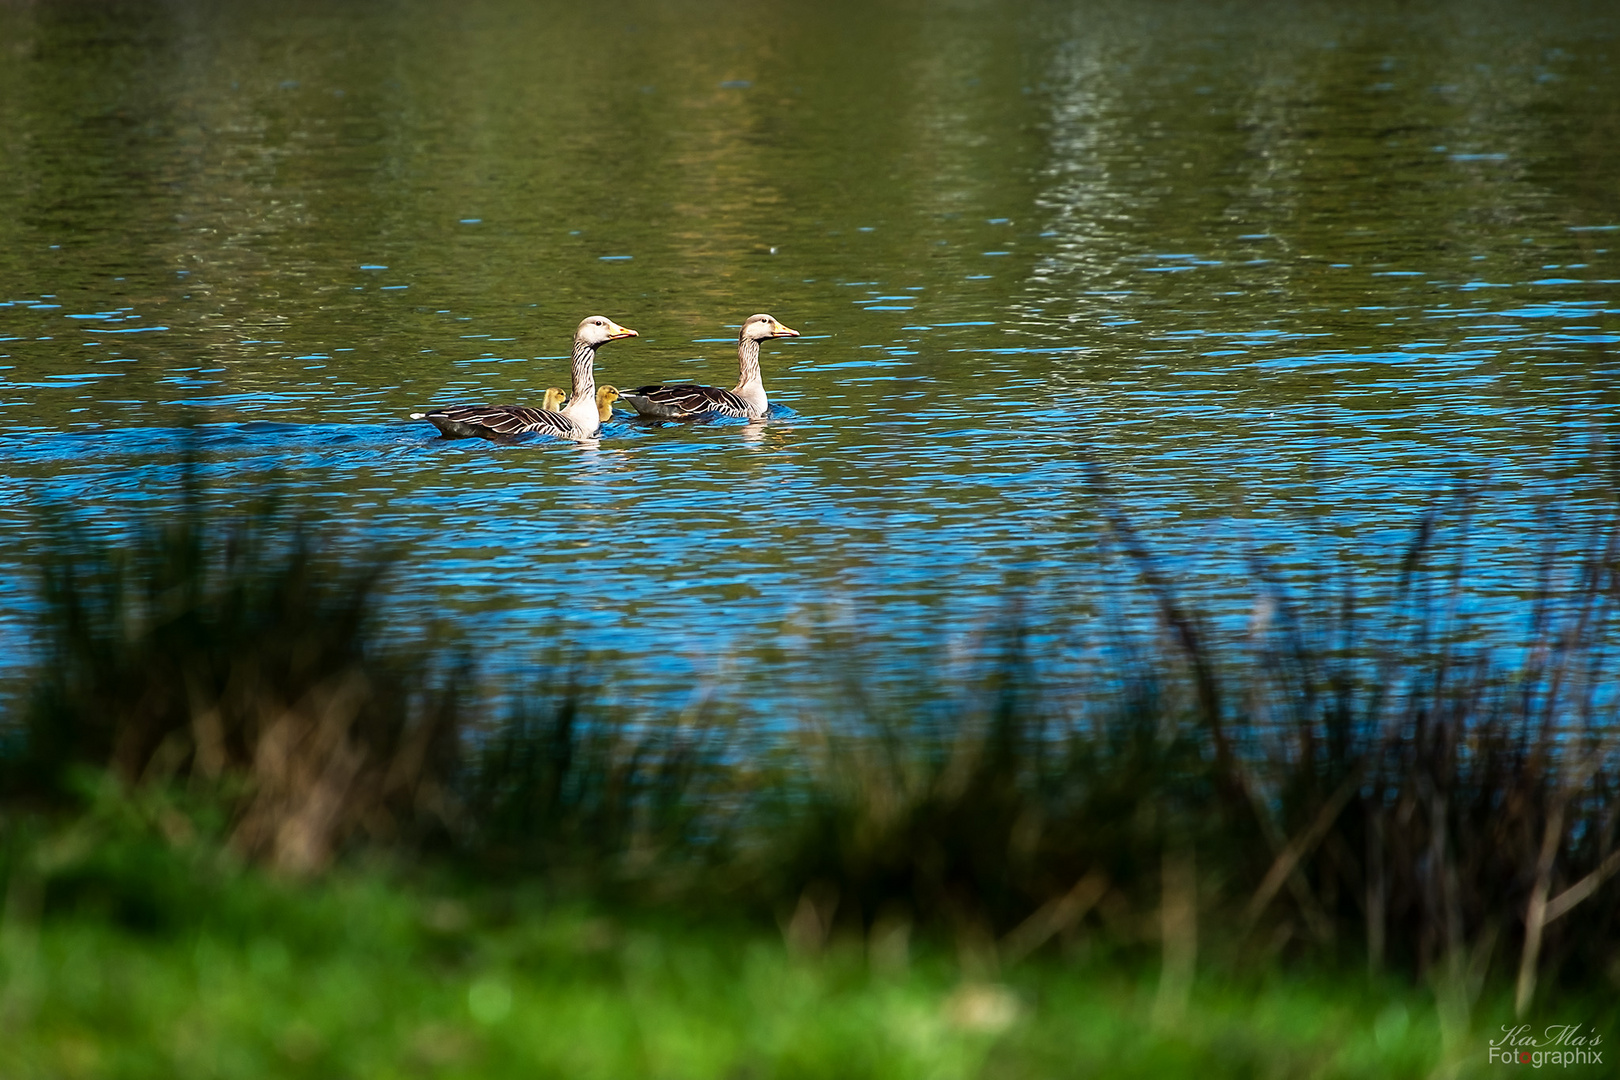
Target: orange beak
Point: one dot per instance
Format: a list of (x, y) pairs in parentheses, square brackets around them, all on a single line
[(778, 330), (615, 332)]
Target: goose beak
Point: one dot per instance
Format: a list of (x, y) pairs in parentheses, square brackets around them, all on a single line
[(778, 330), (615, 332)]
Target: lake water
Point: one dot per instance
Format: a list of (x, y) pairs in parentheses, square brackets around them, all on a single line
[(1285, 271)]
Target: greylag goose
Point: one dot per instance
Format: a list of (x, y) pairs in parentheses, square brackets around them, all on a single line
[(579, 419), (686, 401)]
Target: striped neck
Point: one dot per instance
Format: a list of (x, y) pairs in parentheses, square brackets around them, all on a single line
[(750, 387), (748, 365), (584, 372), (581, 407)]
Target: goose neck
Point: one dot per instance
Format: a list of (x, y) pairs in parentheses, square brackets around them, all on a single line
[(584, 373), (748, 376)]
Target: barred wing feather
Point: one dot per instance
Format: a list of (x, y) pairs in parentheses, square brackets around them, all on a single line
[(678, 401), (496, 421)]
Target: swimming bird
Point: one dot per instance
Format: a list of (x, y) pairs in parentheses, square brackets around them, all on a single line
[(687, 401), (553, 401), (579, 419)]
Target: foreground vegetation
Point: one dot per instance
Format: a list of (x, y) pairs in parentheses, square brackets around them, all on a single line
[(249, 828), (163, 956)]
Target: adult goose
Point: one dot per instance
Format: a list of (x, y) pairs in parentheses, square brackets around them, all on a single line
[(579, 419), (687, 401)]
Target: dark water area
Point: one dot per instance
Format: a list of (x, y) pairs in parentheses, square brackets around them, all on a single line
[(1285, 272)]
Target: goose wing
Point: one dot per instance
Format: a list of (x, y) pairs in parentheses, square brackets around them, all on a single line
[(497, 421), (677, 401)]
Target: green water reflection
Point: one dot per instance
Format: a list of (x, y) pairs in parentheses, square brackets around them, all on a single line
[(1269, 263)]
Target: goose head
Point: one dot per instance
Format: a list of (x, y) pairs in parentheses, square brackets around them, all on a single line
[(761, 327), (599, 330)]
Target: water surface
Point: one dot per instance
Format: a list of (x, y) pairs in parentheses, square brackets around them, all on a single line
[(1286, 272)]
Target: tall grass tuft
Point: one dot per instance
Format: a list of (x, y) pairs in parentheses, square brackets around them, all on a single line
[(996, 815), (1434, 799), (566, 785), (1376, 780), (240, 651)]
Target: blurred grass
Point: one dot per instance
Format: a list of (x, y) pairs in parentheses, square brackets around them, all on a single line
[(242, 651), (379, 970), (247, 826)]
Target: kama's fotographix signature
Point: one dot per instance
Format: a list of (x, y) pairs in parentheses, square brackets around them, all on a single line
[(1556, 1044)]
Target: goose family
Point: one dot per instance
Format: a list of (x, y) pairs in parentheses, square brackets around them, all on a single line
[(580, 419), (581, 414)]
